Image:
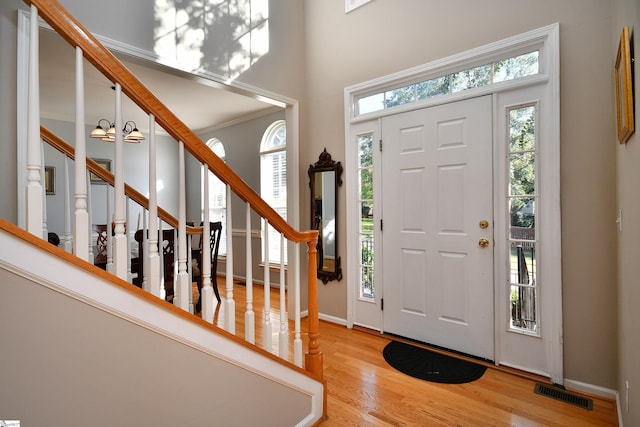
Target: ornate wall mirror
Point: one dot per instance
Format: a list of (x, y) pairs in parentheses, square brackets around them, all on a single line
[(325, 176)]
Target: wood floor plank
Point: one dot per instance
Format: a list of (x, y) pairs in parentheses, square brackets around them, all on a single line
[(363, 390)]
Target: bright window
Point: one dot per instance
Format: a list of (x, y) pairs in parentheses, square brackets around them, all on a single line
[(495, 72), (521, 206), (365, 189), (273, 182)]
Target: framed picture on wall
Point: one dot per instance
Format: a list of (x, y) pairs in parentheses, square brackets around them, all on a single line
[(49, 180), (624, 88), (106, 164)]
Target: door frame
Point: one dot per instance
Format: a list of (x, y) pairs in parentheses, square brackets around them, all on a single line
[(546, 40)]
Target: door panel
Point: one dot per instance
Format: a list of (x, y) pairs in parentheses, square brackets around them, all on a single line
[(437, 187)]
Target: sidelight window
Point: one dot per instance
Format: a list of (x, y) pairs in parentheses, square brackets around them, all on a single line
[(365, 200), (522, 206)]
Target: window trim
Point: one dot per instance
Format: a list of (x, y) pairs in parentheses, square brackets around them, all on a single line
[(351, 5)]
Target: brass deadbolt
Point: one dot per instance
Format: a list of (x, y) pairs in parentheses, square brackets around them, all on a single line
[(484, 224)]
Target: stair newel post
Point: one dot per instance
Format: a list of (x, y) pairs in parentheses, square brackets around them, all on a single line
[(120, 252), (152, 263), (67, 208), (230, 304), (183, 281), (206, 289), (249, 315), (35, 193), (313, 359), (283, 337), (82, 231), (266, 319)]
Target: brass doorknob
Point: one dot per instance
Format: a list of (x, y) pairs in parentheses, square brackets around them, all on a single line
[(483, 243)]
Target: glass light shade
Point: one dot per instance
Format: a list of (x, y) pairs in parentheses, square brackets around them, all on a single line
[(134, 136), (98, 132)]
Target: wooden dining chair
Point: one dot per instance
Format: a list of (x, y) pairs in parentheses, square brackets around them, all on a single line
[(167, 245), (215, 232)]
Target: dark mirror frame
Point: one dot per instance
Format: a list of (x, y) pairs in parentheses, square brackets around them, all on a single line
[(325, 164)]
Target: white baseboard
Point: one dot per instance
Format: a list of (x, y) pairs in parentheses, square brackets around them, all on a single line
[(619, 409), (595, 390), (332, 319)]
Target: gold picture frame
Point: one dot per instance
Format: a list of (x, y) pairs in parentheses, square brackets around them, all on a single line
[(625, 120), (106, 164), (49, 180)]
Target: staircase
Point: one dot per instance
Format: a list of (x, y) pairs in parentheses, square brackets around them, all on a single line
[(120, 331)]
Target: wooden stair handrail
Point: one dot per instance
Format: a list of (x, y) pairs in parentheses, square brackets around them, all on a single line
[(101, 58), (65, 148)]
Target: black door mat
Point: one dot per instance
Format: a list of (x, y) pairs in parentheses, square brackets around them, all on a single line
[(429, 365)]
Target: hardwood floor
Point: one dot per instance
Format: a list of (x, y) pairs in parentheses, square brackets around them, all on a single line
[(363, 390)]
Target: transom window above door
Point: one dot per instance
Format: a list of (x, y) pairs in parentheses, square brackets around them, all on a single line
[(510, 68)]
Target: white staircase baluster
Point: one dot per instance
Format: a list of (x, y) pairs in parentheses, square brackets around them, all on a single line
[(82, 224), (109, 231), (229, 302), (297, 340), (90, 254), (183, 284), (119, 240), (45, 231), (249, 315), (128, 236), (35, 192), (189, 240), (266, 321), (152, 263), (283, 337), (206, 289), (163, 290), (146, 254), (67, 208)]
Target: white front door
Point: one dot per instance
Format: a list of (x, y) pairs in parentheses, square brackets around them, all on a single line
[(438, 226)]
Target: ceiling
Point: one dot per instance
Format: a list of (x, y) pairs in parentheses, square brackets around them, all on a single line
[(200, 106)]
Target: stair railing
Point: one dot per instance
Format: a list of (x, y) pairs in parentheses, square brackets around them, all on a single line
[(87, 46)]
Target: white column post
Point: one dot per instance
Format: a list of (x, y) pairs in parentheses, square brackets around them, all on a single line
[(82, 230), (120, 241), (34, 185)]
